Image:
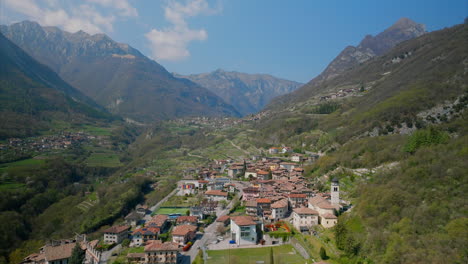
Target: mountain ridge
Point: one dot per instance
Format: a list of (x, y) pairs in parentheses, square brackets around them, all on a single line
[(116, 75), (248, 93)]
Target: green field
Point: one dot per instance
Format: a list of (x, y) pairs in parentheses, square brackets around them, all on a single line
[(284, 254), (97, 131), (167, 211), (103, 160), (10, 186), (21, 164)]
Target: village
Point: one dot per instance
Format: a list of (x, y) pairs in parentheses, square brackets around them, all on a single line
[(226, 204)]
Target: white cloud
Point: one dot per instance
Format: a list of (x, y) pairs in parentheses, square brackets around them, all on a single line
[(69, 17), (122, 5), (171, 43)]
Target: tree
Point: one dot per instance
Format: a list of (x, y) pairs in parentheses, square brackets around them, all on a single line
[(126, 242), (323, 253), (188, 212), (78, 255)]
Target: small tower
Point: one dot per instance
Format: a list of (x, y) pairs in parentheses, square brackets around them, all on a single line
[(335, 192)]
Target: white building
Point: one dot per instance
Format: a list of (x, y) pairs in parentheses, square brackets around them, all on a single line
[(304, 218), (216, 195), (279, 209), (115, 234), (243, 230)]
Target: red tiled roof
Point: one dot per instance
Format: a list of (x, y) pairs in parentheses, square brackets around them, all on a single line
[(147, 231), (262, 172), (280, 204), (116, 229), (186, 218), (263, 200), (182, 230), (216, 192), (243, 220), (157, 245), (223, 218), (305, 210), (203, 181), (58, 252), (158, 220), (329, 216), (297, 195)]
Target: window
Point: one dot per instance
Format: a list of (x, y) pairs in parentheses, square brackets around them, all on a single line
[(335, 189), (245, 231)]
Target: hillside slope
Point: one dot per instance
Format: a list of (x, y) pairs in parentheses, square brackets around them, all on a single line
[(116, 75), (33, 96), (248, 93)]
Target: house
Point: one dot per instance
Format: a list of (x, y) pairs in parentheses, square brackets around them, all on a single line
[(141, 235), (304, 218), (187, 220), (159, 221), (273, 150), (141, 209), (158, 252), (223, 220), (115, 234), (250, 174), (250, 193), (324, 208), (297, 157), (133, 218), (251, 207), (202, 184), (286, 150), (288, 165), (59, 254), (183, 233), (328, 220), (234, 170), (263, 175), (297, 199), (197, 211), (216, 195), (279, 209), (264, 204), (243, 230), (230, 187)]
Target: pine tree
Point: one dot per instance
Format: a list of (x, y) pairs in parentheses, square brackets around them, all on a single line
[(323, 253), (78, 255)]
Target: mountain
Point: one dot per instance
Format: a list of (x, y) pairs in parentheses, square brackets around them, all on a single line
[(370, 47), (115, 75), (248, 93), (32, 96)]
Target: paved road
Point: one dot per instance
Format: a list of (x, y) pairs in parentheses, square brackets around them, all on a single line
[(107, 254)]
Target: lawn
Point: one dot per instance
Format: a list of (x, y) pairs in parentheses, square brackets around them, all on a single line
[(180, 201), (284, 254), (167, 211), (103, 160)]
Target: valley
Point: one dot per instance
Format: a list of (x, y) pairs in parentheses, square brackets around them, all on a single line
[(107, 157)]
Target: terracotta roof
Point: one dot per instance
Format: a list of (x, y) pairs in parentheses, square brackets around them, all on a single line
[(263, 200), (203, 181), (158, 220), (243, 220), (250, 204), (321, 202), (297, 195), (216, 192), (262, 172), (182, 230), (329, 216), (116, 229), (58, 252), (185, 218), (280, 204), (222, 218), (147, 231), (157, 245), (305, 210)]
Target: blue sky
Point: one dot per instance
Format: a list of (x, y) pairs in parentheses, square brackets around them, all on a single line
[(289, 39)]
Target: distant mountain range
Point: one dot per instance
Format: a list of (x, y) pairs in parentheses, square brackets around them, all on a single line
[(116, 75), (248, 93), (32, 96), (404, 29)]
